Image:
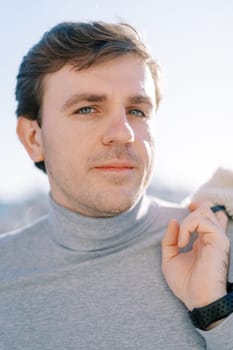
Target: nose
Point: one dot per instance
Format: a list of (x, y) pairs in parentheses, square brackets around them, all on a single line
[(118, 130)]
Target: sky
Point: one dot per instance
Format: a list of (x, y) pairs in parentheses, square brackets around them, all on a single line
[(191, 40)]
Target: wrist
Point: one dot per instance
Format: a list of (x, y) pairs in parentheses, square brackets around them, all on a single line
[(209, 316), (206, 299), (215, 324)]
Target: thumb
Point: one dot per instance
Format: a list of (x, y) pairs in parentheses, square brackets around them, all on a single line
[(170, 241)]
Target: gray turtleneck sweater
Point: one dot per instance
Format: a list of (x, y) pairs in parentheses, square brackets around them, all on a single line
[(71, 282)]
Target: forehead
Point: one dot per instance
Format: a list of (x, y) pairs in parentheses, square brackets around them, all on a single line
[(127, 75)]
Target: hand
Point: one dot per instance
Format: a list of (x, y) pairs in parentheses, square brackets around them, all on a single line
[(197, 277)]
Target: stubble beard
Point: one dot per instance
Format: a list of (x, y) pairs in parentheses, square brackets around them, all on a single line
[(115, 195)]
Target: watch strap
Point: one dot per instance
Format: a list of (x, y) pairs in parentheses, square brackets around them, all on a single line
[(229, 287), (202, 317)]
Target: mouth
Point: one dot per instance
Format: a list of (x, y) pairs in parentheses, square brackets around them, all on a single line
[(115, 168)]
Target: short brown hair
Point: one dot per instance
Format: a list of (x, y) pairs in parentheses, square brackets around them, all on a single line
[(81, 44)]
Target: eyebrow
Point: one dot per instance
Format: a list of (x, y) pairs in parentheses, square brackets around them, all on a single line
[(138, 99), (83, 98), (141, 99)]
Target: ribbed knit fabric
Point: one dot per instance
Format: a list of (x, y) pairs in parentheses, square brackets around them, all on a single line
[(70, 282)]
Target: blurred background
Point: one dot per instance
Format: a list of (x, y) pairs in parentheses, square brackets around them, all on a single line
[(191, 40)]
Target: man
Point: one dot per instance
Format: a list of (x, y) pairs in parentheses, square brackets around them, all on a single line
[(88, 275)]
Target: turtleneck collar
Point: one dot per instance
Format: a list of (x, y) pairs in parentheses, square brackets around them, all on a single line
[(85, 234)]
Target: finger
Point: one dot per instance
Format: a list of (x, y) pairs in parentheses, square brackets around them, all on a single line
[(208, 227), (201, 220), (195, 205), (213, 212), (223, 219), (170, 241), (203, 211), (219, 214)]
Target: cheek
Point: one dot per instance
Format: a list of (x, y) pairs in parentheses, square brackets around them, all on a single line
[(56, 147), (57, 136), (149, 152), (147, 136)]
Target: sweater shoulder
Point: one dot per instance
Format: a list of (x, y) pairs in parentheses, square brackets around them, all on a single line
[(23, 249), (23, 233), (168, 210)]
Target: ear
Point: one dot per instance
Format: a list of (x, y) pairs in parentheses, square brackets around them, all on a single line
[(29, 134)]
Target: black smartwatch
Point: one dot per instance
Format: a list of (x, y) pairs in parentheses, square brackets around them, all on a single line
[(202, 317)]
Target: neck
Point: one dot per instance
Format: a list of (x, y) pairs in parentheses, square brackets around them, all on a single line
[(83, 233)]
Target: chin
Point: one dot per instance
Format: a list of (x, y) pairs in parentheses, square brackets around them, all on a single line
[(114, 206)]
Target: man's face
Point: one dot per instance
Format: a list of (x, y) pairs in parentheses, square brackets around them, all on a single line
[(97, 135)]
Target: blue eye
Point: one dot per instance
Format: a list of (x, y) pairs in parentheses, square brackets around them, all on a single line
[(85, 110), (137, 113)]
